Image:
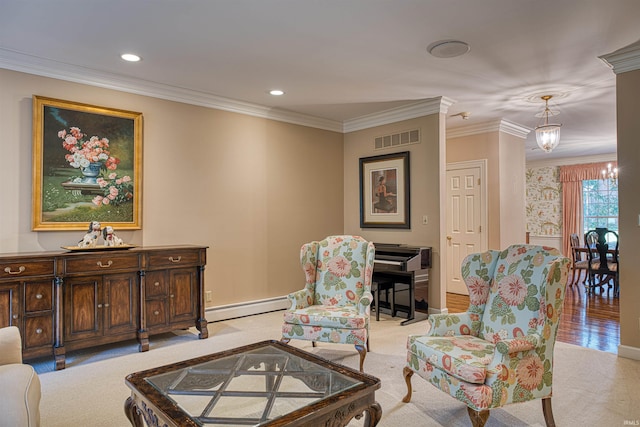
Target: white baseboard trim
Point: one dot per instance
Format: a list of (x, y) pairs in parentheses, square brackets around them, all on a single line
[(629, 352), (232, 311)]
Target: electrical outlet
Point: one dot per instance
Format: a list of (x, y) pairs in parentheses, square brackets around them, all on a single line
[(207, 296)]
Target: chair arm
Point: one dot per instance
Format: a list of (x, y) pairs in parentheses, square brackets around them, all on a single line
[(20, 395), (516, 345), (300, 299), (449, 324), (10, 345), (365, 302)]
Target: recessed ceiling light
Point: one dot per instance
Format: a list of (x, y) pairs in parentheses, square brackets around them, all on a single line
[(276, 92), (448, 48), (130, 57)]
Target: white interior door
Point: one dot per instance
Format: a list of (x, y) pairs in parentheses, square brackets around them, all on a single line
[(466, 218)]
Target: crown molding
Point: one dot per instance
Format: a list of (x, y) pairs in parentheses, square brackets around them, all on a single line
[(58, 70), (17, 61), (505, 126), (624, 59), (580, 160), (411, 111)]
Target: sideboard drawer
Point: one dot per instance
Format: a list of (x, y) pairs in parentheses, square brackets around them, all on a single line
[(155, 284), (156, 313), (38, 331), (38, 296), (18, 269), (103, 263), (174, 258)]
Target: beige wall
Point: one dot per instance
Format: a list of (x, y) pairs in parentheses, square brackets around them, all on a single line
[(512, 190), (251, 189), (628, 109), (505, 155), (476, 147), (426, 161)]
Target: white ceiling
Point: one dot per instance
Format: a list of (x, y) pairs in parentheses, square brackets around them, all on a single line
[(338, 60)]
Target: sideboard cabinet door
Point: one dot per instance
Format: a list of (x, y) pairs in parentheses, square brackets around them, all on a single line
[(100, 307), (83, 303), (9, 305), (183, 296)]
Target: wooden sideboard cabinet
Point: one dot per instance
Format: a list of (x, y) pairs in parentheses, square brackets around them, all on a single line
[(27, 300), (71, 300)]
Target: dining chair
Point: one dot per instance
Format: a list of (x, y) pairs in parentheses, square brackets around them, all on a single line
[(579, 262), (602, 259)]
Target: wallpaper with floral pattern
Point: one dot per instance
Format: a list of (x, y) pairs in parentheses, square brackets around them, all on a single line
[(544, 201)]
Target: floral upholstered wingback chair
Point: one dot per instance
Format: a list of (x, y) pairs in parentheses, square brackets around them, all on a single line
[(501, 350), (334, 305)]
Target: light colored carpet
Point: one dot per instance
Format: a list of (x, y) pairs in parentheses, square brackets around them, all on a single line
[(591, 388)]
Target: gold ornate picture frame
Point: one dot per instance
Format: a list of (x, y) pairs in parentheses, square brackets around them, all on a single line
[(87, 166)]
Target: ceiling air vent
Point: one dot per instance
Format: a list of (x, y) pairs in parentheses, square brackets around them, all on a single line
[(397, 139)]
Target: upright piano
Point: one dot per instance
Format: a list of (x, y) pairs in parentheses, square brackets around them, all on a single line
[(405, 265)]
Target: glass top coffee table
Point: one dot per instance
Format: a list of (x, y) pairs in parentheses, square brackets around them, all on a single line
[(264, 384)]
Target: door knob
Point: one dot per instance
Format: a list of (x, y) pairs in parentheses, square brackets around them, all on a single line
[(448, 237)]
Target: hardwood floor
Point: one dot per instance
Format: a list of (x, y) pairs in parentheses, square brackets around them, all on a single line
[(591, 321)]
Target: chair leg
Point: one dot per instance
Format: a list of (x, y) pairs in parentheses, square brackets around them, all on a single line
[(313, 344), (408, 373), (376, 299), (363, 354), (393, 300), (368, 347), (478, 418), (548, 413)]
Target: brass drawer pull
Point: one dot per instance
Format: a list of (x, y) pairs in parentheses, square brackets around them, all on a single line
[(175, 259), (106, 305), (21, 269), (99, 263), (38, 296), (156, 284), (15, 316), (156, 312), (99, 305), (38, 331)]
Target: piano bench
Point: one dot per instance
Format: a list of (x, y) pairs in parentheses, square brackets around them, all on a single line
[(386, 287)]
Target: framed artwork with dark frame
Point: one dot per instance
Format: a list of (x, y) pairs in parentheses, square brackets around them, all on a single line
[(385, 191), (87, 166)]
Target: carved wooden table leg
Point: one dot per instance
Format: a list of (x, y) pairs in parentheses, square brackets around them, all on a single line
[(132, 413), (373, 415)]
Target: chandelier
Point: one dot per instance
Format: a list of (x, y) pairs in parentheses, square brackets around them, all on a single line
[(611, 173), (547, 135)]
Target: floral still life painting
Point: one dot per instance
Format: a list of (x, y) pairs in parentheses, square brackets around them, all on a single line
[(87, 165)]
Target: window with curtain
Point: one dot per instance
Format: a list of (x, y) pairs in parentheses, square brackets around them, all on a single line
[(600, 204), (574, 178)]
